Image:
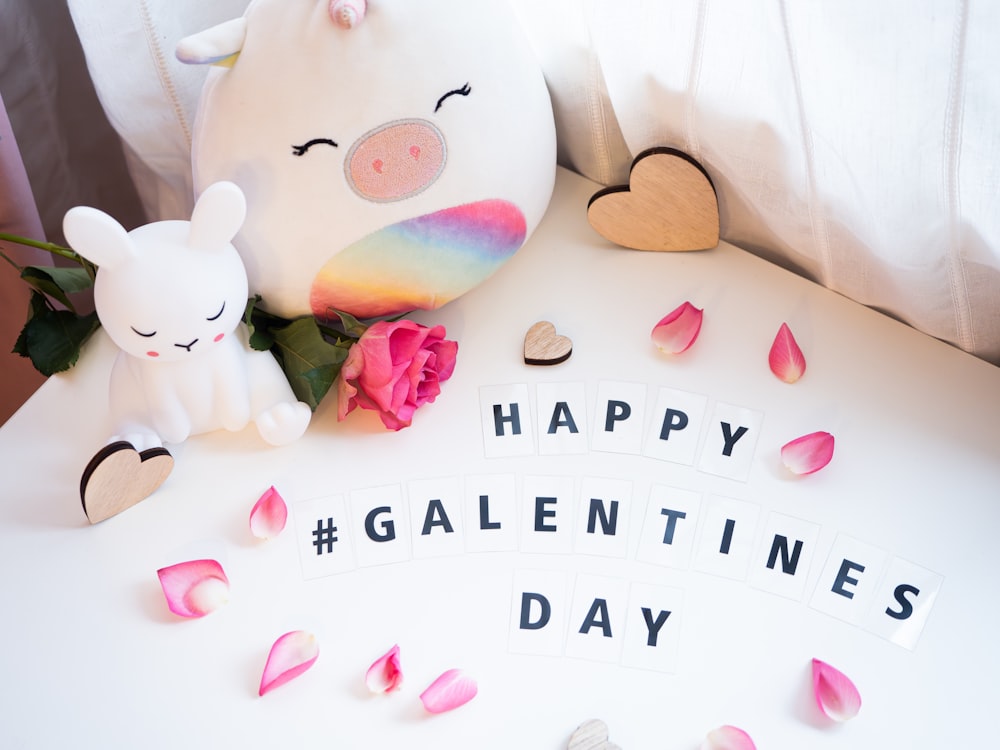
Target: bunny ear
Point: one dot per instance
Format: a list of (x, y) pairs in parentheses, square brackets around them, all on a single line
[(217, 217), (97, 237)]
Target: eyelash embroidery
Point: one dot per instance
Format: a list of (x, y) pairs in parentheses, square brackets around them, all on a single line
[(464, 91), (144, 335), (216, 316), (300, 150)]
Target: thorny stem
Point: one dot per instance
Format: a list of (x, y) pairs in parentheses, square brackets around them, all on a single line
[(53, 248)]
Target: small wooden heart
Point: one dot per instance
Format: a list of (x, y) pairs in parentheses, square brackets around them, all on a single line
[(118, 477), (543, 346), (669, 204), (591, 735)]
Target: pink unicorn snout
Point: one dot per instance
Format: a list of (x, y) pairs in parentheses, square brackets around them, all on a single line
[(396, 160)]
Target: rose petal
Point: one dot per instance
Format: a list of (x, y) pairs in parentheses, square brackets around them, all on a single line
[(677, 330), (194, 588), (291, 655), (451, 690), (836, 695), (269, 515), (728, 737), (385, 674), (786, 358), (808, 453)]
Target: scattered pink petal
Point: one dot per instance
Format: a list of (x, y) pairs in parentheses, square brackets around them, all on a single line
[(451, 690), (291, 655), (808, 453), (836, 695), (678, 329), (786, 358), (385, 675), (194, 588), (269, 514), (728, 737)]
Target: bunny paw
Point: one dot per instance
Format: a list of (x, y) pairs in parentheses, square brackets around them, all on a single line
[(284, 423)]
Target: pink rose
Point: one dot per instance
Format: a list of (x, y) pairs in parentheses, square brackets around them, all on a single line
[(395, 368)]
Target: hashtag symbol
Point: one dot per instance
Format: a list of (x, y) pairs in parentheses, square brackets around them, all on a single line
[(324, 535)]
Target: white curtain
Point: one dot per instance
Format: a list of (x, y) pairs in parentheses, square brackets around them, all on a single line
[(855, 143)]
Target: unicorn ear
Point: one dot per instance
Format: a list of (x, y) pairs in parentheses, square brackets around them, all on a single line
[(218, 45), (97, 237), (217, 216)]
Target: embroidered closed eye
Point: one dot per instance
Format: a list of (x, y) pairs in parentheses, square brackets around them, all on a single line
[(217, 315), (144, 335), (300, 150), (464, 91)]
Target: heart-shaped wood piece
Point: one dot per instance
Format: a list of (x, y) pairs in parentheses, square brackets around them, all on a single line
[(118, 477), (669, 204), (543, 346), (591, 735)]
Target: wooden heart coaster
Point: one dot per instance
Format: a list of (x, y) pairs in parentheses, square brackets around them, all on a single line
[(118, 477), (669, 204), (543, 346), (591, 735)]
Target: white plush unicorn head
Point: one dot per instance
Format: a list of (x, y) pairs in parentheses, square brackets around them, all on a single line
[(167, 291), (394, 153)]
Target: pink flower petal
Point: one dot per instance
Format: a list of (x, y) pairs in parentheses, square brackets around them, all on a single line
[(836, 695), (385, 674), (786, 358), (291, 655), (678, 329), (808, 453), (728, 738), (451, 690), (269, 515), (194, 588)]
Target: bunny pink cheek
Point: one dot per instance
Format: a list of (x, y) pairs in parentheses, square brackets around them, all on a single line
[(219, 338), (152, 354)]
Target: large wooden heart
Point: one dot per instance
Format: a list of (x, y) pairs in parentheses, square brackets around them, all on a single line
[(669, 204), (118, 477)]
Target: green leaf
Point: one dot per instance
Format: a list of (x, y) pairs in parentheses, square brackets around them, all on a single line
[(352, 326), (58, 283), (260, 338), (53, 338), (70, 280), (36, 306), (311, 362)]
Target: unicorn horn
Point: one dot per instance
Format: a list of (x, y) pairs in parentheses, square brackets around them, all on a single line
[(348, 13)]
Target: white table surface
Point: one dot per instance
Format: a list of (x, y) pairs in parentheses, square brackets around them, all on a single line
[(91, 657)]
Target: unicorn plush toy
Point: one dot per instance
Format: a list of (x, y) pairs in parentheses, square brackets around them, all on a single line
[(171, 296), (394, 153)]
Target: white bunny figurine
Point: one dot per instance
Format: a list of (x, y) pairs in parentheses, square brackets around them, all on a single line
[(171, 295)]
